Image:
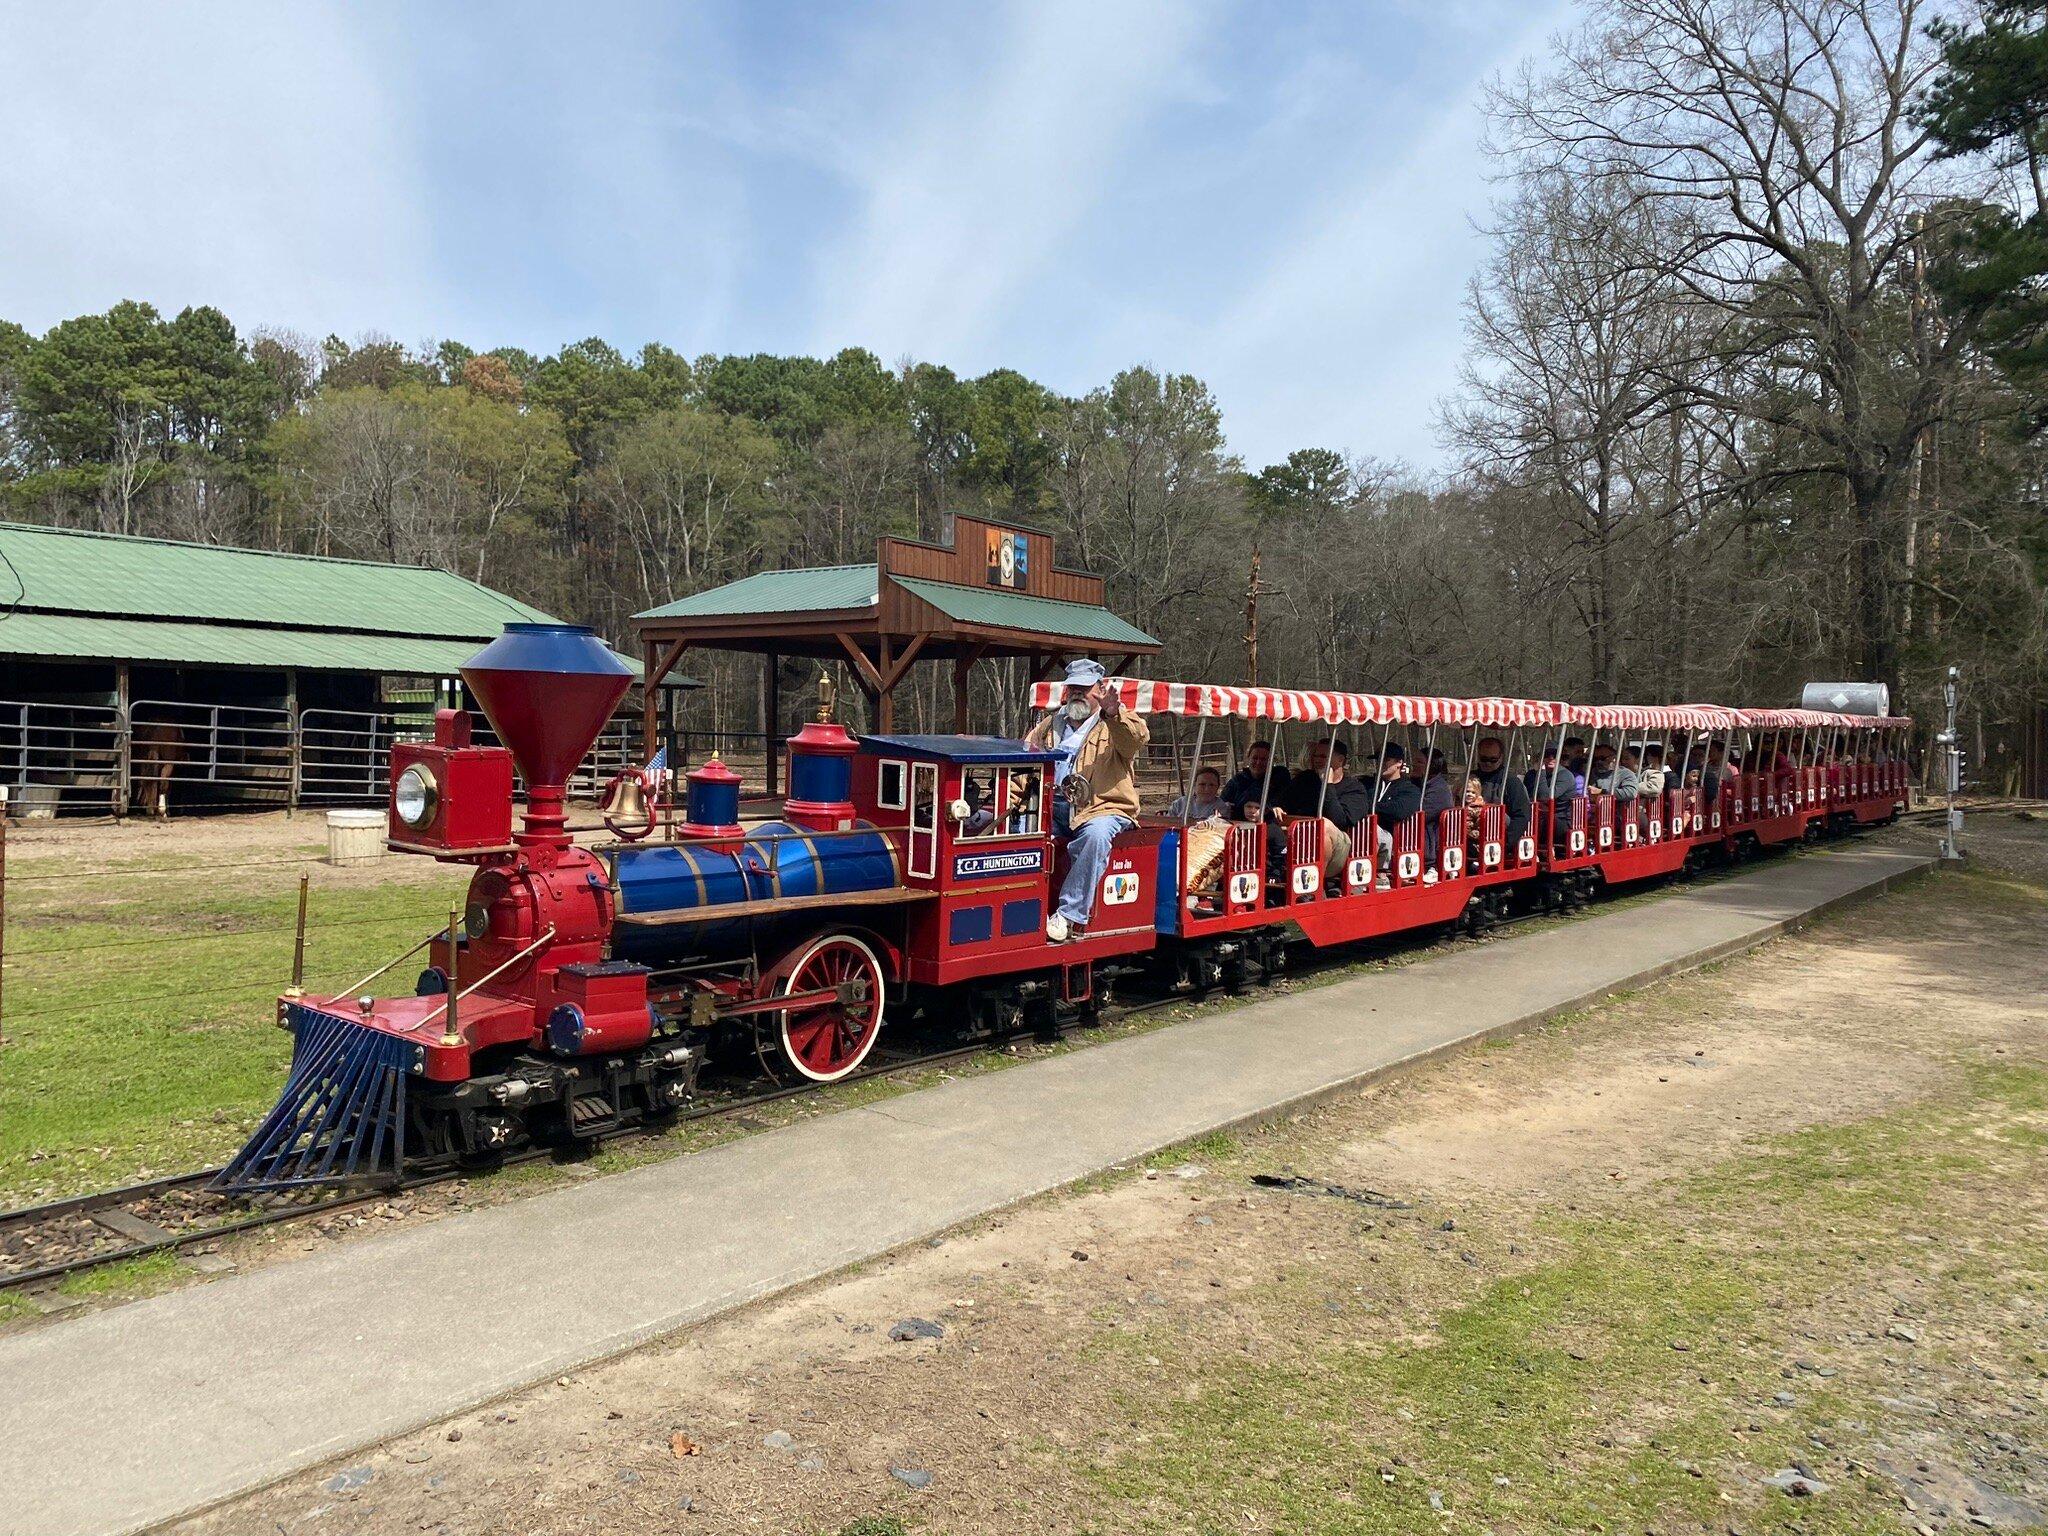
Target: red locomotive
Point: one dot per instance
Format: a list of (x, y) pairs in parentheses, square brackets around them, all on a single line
[(582, 989)]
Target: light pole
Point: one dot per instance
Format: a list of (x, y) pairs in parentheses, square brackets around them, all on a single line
[(1951, 750)]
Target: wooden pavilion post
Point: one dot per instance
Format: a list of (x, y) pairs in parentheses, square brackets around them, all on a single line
[(963, 681), (865, 674), (648, 683), (656, 664), (771, 711)]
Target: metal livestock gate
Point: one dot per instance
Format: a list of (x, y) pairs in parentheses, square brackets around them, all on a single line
[(87, 757)]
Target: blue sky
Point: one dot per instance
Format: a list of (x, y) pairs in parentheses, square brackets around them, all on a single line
[(1279, 198)]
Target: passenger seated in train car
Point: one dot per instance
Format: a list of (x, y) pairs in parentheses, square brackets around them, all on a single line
[(1436, 796), (1490, 783), (1734, 766), (1628, 774), (1397, 796), (1203, 800), (1349, 803), (1305, 784), (1682, 762), (1323, 783), (1095, 784), (1555, 784), (1241, 791), (1550, 781), (1600, 770), (1650, 778), (1712, 772), (1613, 774), (1578, 764), (978, 789), (1027, 792)]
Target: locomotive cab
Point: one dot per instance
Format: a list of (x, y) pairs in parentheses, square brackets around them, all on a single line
[(974, 815)]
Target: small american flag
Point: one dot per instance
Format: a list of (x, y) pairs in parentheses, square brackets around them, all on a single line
[(657, 763)]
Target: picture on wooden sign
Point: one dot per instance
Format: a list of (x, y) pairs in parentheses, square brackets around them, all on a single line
[(1006, 558)]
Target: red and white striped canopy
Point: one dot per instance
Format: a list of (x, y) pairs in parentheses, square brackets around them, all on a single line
[(1217, 701), (1220, 701), (1802, 719), (1653, 717)]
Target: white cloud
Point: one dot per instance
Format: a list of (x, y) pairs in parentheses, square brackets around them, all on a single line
[(1354, 331), (240, 155), (1282, 206), (972, 192)]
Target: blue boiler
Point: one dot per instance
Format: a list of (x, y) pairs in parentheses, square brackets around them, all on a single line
[(776, 861)]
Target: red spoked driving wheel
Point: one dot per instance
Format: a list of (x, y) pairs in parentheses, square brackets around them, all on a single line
[(825, 1040)]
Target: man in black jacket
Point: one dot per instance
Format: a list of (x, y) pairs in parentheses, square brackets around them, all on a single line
[(1325, 788), (1499, 787), (1398, 798)]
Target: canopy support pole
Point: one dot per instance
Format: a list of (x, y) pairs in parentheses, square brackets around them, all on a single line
[(771, 716)]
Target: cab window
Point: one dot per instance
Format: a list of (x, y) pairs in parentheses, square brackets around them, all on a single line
[(1024, 807), (889, 785), (978, 792)]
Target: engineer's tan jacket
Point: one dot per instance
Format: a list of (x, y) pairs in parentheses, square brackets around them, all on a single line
[(1107, 760)]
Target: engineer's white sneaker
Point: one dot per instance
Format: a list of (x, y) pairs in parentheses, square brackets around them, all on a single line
[(1056, 929)]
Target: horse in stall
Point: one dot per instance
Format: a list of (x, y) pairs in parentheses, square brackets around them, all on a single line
[(155, 748)]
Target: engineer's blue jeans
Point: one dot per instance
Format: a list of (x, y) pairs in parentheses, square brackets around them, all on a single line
[(1087, 859)]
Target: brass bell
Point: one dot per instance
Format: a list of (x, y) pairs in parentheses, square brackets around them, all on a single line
[(625, 800)]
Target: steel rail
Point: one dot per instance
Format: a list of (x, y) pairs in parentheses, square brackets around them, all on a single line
[(113, 1198)]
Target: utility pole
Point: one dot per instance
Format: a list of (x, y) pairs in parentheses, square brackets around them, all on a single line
[(1252, 589), (1951, 749)]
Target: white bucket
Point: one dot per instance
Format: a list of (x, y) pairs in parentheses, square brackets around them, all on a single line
[(354, 837), (33, 802)]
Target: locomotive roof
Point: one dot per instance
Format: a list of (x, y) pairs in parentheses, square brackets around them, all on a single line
[(957, 749)]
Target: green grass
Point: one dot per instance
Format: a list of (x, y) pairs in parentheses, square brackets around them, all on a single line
[(1995, 889), (1551, 1398), (128, 1278), (139, 1026)]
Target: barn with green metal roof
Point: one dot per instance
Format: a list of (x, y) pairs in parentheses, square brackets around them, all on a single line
[(139, 671)]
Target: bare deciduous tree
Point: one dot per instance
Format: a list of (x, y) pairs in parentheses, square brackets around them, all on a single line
[(1782, 128)]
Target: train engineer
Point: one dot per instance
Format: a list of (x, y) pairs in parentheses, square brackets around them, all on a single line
[(1098, 742)]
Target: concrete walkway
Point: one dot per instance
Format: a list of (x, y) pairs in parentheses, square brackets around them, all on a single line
[(121, 1419)]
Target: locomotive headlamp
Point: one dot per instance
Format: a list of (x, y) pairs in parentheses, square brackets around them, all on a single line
[(414, 796)]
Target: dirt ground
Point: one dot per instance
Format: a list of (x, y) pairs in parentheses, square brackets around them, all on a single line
[(1763, 1248), (262, 848)]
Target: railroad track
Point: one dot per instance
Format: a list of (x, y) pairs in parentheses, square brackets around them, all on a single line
[(48, 1242)]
